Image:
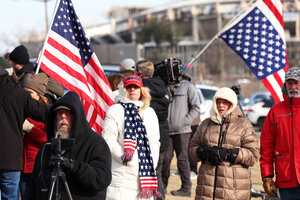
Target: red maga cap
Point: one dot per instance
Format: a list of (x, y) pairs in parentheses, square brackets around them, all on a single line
[(133, 80)]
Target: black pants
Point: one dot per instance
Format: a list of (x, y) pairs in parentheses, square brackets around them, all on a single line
[(159, 174), (179, 143), (193, 164)]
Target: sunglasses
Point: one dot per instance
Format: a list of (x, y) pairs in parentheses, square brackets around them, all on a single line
[(132, 86)]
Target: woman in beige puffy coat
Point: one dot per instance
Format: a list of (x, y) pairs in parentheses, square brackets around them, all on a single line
[(225, 158)]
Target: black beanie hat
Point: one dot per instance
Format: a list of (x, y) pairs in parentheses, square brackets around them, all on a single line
[(19, 55)]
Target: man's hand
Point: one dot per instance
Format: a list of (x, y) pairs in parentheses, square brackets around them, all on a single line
[(27, 126), (269, 186), (65, 163)]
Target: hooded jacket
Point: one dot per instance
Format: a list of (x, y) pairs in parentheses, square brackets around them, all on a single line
[(125, 182), (233, 179), (16, 104), (23, 75), (160, 99), (32, 142), (91, 173), (184, 108), (280, 141)]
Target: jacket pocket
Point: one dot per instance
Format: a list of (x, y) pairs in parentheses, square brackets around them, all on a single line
[(283, 168)]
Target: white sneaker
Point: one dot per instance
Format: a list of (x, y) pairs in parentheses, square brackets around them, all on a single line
[(193, 176), (175, 174)]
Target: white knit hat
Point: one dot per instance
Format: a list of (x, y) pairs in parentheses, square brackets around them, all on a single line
[(227, 94), (128, 64)]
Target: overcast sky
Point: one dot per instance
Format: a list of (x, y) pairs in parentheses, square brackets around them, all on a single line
[(21, 17)]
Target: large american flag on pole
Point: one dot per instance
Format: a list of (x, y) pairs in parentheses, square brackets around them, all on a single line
[(68, 57), (258, 37)]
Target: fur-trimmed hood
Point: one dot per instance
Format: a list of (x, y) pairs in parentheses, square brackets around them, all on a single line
[(227, 94), (122, 98)]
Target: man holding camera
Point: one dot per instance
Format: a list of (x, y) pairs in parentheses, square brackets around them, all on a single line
[(86, 164), (280, 141), (184, 108)]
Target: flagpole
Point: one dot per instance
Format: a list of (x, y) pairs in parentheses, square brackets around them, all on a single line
[(194, 58), (47, 36)]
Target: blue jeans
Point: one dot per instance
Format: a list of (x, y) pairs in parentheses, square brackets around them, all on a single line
[(9, 184), (289, 193)]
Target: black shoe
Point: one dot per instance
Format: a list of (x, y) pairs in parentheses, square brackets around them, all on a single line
[(181, 193)]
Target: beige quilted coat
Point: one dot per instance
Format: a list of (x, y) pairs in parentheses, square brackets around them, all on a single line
[(233, 180)]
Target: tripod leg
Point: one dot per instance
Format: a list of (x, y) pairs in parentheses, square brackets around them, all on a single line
[(53, 180), (63, 177)]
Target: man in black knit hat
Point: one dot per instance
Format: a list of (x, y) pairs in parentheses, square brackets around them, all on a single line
[(23, 69), (16, 104)]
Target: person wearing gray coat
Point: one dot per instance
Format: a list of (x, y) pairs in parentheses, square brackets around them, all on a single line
[(184, 108)]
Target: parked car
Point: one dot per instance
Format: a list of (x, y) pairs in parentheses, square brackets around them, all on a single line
[(206, 94), (110, 69), (257, 112)]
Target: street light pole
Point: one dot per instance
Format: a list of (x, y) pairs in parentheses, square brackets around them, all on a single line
[(46, 15)]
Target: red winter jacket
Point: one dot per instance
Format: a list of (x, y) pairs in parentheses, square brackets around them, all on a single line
[(280, 141), (32, 143)]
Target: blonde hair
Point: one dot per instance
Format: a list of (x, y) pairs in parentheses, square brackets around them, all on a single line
[(145, 97), (145, 67)]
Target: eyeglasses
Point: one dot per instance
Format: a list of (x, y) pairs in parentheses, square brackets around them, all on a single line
[(132, 86)]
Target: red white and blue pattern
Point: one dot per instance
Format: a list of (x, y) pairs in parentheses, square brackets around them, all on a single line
[(258, 38), (69, 58), (135, 137)]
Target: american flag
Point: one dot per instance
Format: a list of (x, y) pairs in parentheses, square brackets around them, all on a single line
[(258, 37), (69, 58)]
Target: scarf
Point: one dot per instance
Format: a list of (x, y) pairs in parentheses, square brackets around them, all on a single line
[(135, 137)]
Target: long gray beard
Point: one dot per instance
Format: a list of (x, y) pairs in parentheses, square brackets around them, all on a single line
[(63, 134), (298, 93)]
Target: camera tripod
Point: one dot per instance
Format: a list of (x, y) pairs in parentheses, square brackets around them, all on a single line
[(55, 175)]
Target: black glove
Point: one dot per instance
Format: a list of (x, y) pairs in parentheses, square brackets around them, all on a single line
[(65, 163), (232, 154), (202, 153), (68, 164), (216, 155)]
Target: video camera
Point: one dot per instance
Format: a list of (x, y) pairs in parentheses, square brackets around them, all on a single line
[(170, 70), (58, 145), (236, 89)]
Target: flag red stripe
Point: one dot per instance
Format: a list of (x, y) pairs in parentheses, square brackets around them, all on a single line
[(91, 80), (64, 51), (271, 89), (278, 79), (67, 68), (93, 118), (276, 13), (98, 128)]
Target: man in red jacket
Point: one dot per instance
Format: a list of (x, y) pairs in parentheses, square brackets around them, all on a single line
[(280, 141)]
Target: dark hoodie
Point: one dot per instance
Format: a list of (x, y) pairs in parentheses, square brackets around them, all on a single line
[(15, 105), (23, 75), (160, 99), (91, 174)]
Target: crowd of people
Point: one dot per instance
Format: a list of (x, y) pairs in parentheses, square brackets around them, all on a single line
[(51, 152)]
